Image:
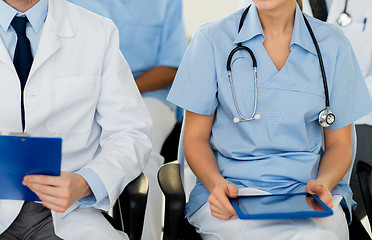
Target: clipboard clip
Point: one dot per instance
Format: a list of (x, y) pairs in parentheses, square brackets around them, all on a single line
[(18, 134)]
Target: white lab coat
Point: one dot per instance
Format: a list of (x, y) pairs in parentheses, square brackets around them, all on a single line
[(359, 39), (80, 89)]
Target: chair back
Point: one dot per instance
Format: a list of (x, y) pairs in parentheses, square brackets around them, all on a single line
[(170, 183), (354, 149), (129, 209), (188, 178), (364, 171)]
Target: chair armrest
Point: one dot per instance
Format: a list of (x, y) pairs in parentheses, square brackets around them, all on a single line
[(130, 207), (364, 171), (170, 183)]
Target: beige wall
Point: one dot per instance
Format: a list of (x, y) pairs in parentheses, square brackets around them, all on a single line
[(197, 12)]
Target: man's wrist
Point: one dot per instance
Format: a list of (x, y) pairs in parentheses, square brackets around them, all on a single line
[(84, 186)]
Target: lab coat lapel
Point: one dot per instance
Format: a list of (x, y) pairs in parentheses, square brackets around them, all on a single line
[(56, 26), (9, 211), (5, 58), (335, 10)]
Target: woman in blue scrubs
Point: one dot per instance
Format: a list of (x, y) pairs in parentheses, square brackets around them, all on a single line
[(278, 149)]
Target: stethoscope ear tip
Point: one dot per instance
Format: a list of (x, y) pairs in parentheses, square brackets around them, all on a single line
[(236, 120), (257, 116)]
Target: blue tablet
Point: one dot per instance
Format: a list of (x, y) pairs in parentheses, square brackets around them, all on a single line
[(280, 206)]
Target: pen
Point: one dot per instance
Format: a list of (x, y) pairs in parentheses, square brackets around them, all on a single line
[(364, 24)]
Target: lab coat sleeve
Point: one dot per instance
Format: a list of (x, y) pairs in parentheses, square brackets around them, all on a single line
[(349, 97), (195, 84), (125, 123), (99, 193)]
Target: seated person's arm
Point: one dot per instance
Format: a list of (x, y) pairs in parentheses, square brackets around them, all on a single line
[(99, 196), (58, 192), (155, 78), (334, 163), (201, 159)]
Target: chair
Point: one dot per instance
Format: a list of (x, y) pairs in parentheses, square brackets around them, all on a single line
[(171, 181), (129, 209), (175, 225), (364, 171)]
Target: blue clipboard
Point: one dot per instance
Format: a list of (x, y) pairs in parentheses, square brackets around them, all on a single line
[(280, 206), (21, 156)]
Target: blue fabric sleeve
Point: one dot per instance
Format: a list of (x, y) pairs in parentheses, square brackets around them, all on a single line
[(349, 97), (195, 85), (173, 38), (99, 195)]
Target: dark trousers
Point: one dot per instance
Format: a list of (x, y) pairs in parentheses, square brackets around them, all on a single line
[(33, 222), (364, 152)]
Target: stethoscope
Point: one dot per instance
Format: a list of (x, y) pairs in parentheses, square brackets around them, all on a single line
[(344, 19), (326, 117)]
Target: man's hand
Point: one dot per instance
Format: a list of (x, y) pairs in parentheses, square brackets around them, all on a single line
[(219, 203), (317, 188), (58, 193)]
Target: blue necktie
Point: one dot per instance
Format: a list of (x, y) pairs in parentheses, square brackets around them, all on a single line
[(22, 56)]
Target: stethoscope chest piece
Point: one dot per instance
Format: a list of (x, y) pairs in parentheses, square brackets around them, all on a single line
[(344, 19), (326, 117)]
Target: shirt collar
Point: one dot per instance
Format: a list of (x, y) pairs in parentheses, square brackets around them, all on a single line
[(35, 15), (7, 14), (300, 34), (252, 27)]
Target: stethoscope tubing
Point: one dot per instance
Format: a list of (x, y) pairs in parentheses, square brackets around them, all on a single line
[(240, 47), (325, 85), (345, 8), (255, 97), (323, 114)]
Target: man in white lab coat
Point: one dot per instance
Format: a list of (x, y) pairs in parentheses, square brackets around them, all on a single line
[(359, 33), (79, 88)]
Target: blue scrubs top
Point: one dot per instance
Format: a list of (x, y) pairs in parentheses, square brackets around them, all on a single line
[(151, 33), (280, 152)]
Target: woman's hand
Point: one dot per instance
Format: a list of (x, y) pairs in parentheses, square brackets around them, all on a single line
[(319, 189), (219, 200)]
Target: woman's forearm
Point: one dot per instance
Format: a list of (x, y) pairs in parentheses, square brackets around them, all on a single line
[(337, 156), (198, 151)]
